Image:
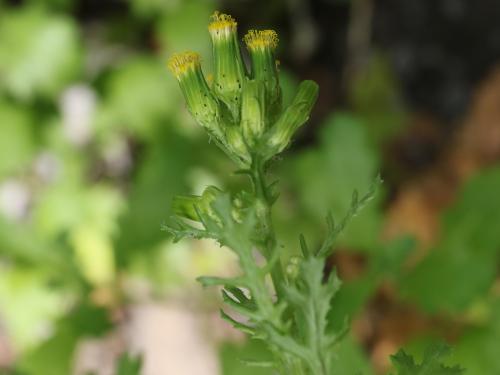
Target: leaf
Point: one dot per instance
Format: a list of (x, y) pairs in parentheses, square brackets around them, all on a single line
[(55, 355), (238, 325), (28, 304), (39, 52), (129, 365), (232, 358), (430, 365), (156, 181), (325, 177), (350, 358), (386, 263), (356, 206), (17, 143), (469, 248), (145, 107), (180, 30), (477, 348), (375, 97), (310, 299)]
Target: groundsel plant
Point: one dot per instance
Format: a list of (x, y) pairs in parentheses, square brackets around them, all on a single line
[(241, 109)]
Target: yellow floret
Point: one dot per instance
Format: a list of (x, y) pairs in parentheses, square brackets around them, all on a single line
[(221, 22), (180, 63), (261, 39)]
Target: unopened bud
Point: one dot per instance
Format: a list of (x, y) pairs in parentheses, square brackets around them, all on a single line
[(261, 45), (229, 70), (188, 206), (237, 145), (253, 111), (200, 101), (293, 117)]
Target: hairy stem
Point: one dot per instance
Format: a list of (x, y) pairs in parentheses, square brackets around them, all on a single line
[(263, 203)]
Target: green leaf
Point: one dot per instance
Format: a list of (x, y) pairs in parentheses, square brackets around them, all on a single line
[(139, 97), (181, 29), (376, 98), (233, 358), (129, 365), (17, 142), (55, 355), (477, 349), (157, 180), (151, 8), (311, 299), (356, 206), (431, 363), (350, 358), (324, 179), (39, 52), (29, 304), (469, 248)]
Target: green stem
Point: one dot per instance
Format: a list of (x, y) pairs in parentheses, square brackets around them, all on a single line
[(263, 206)]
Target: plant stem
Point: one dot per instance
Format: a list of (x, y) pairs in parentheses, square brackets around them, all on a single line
[(263, 204)]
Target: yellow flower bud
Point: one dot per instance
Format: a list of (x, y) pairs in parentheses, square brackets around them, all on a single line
[(261, 45), (200, 101), (229, 69)]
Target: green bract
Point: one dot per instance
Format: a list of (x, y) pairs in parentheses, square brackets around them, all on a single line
[(242, 111)]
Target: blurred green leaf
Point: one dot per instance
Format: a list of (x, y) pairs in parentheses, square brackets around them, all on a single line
[(376, 99), (140, 95), (325, 179), (350, 359), (17, 143), (232, 358), (186, 28), (463, 265), (129, 365), (477, 349), (385, 264), (28, 304), (160, 176), (55, 355), (149, 8), (39, 52)]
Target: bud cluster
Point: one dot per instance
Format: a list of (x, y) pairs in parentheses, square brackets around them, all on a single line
[(242, 108)]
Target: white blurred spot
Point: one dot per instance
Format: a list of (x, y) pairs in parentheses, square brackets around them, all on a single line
[(98, 355), (46, 167), (172, 340), (118, 157), (78, 107), (14, 199)]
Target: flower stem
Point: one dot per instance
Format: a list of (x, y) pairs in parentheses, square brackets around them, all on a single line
[(263, 205)]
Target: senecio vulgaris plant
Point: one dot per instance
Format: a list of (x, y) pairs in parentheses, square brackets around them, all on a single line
[(242, 111)]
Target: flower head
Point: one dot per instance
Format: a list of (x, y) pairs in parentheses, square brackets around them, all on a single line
[(182, 63), (261, 45), (200, 101), (260, 40), (229, 70), (222, 26)]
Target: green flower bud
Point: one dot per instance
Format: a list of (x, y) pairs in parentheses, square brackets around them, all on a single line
[(237, 144), (293, 117), (253, 111), (261, 45), (229, 70), (184, 205), (200, 101)]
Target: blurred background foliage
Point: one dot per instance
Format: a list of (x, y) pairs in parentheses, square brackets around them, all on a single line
[(95, 141)]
